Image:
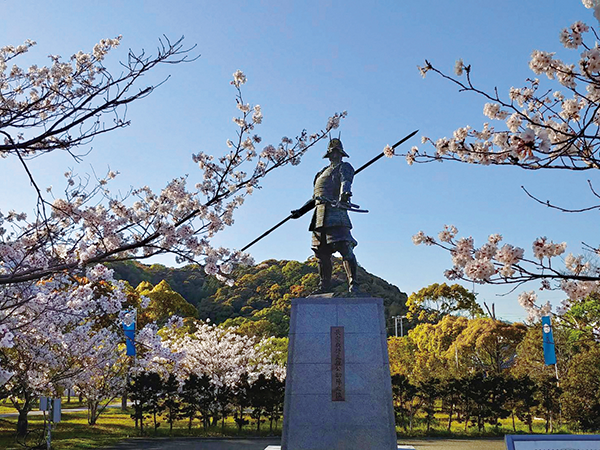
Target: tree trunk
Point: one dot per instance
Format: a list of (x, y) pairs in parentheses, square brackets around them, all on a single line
[(450, 416), (513, 421), (92, 412), (124, 402), (22, 421), (241, 419)]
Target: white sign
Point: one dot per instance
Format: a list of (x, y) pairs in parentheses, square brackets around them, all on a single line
[(56, 410), (553, 442)]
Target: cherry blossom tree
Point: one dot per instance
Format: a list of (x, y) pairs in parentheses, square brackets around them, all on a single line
[(60, 310), (62, 336), (49, 255), (535, 128), (186, 350), (64, 106)]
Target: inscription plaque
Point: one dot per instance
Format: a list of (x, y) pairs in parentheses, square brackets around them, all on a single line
[(338, 376)]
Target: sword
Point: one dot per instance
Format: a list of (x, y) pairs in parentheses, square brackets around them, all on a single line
[(350, 207), (360, 169)]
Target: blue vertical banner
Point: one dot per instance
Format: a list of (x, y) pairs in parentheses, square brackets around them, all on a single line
[(130, 338), (549, 350)]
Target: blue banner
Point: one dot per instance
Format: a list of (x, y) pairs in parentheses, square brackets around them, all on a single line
[(549, 351), (130, 338)]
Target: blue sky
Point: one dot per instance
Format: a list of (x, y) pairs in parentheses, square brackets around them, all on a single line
[(304, 61)]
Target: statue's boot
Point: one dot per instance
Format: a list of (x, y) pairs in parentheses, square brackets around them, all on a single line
[(351, 268), (325, 270)]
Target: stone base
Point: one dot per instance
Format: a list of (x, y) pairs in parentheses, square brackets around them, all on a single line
[(351, 410)]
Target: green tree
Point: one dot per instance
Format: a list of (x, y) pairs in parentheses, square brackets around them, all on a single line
[(241, 400), (522, 400), (197, 397), (258, 394), (433, 302), (449, 391), (401, 351), (403, 393), (488, 345), (164, 303), (428, 391), (581, 390), (170, 402), (582, 318), (530, 362), (144, 390), (484, 398), (434, 357), (266, 322), (275, 393)]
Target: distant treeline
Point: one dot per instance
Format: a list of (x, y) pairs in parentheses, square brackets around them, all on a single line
[(259, 302)]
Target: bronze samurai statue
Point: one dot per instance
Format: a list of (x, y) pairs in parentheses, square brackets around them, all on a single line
[(330, 224)]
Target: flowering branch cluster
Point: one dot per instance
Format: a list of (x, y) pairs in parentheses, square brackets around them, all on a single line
[(60, 311), (61, 329), (61, 106), (206, 349), (507, 264), (540, 129), (88, 224)]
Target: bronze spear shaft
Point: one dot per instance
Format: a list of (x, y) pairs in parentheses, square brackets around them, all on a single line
[(361, 168)]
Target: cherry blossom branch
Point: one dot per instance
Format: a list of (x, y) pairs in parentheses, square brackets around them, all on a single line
[(550, 205)]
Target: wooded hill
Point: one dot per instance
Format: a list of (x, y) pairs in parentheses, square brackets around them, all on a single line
[(259, 302)]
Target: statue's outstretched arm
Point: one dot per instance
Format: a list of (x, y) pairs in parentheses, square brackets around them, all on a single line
[(297, 213)]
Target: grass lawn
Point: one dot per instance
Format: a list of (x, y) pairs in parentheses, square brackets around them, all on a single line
[(113, 425), (73, 432), (440, 423)]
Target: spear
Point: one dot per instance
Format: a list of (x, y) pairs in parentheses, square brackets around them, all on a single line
[(360, 169)]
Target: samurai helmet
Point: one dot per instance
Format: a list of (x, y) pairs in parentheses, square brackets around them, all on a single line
[(335, 144)]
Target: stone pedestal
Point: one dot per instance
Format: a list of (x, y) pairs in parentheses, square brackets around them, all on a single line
[(338, 393)]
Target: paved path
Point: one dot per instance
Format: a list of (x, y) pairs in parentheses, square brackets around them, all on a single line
[(37, 412), (195, 444), (455, 444), (261, 444)]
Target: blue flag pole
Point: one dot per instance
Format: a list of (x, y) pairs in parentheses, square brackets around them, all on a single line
[(548, 341), (129, 331)]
